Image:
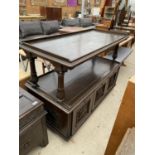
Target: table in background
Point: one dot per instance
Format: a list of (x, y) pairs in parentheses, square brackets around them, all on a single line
[(70, 29)]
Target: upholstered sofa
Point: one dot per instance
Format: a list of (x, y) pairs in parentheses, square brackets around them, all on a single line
[(81, 22), (36, 29)]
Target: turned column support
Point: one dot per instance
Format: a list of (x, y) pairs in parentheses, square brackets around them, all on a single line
[(115, 52), (33, 78), (60, 90)]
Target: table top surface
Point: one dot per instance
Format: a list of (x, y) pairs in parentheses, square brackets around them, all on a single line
[(71, 29), (27, 102), (74, 46), (71, 49)]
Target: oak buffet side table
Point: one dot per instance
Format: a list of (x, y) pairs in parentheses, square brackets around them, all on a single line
[(32, 125)]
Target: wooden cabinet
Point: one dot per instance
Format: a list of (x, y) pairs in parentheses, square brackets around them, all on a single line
[(32, 126), (51, 13), (86, 87)]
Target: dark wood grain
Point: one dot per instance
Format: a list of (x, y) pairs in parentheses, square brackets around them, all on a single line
[(83, 93), (76, 81), (72, 49), (76, 46), (123, 53), (32, 125)]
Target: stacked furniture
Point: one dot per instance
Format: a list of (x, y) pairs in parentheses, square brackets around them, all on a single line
[(32, 124), (109, 12), (80, 80), (108, 16)]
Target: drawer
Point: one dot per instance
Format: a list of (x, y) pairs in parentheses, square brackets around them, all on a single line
[(29, 117), (81, 113), (30, 138), (100, 94), (112, 80), (32, 135)]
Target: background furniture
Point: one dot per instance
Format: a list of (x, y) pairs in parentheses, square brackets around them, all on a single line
[(125, 118), (109, 11), (32, 126), (51, 13), (107, 20), (109, 15), (70, 29)]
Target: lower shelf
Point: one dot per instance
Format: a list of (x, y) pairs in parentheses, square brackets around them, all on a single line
[(85, 88), (123, 53)]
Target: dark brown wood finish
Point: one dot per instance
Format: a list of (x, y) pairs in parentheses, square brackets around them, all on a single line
[(73, 50), (51, 13), (85, 88), (32, 125), (80, 80), (115, 52), (34, 78), (81, 47), (60, 90)]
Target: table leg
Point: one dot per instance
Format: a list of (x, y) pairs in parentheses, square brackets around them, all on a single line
[(115, 52), (60, 90), (34, 78)]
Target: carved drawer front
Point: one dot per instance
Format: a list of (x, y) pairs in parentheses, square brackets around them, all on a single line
[(30, 137), (112, 80), (81, 113), (100, 93), (29, 108)]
